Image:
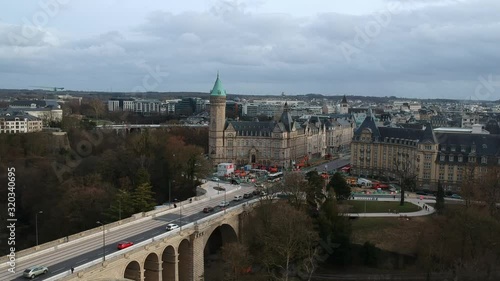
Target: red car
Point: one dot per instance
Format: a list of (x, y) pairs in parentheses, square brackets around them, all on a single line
[(124, 244)]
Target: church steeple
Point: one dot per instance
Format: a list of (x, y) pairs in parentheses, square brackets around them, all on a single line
[(344, 106)]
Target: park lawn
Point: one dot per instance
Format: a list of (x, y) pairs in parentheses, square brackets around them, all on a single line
[(358, 206), (391, 234)]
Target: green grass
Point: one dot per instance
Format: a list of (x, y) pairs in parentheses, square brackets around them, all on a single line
[(358, 206)]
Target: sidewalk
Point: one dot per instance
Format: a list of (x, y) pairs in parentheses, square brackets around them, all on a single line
[(425, 209)]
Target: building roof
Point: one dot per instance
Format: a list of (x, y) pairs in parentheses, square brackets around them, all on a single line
[(344, 100), (9, 114), (218, 90), (368, 123), (485, 144)]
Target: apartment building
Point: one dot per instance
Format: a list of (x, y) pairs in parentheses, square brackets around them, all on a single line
[(12, 122)]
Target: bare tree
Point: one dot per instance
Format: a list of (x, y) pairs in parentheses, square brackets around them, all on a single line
[(236, 258), (405, 170)]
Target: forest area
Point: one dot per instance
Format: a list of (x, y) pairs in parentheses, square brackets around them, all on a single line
[(69, 182)]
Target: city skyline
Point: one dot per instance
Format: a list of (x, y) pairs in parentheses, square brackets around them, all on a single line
[(418, 48)]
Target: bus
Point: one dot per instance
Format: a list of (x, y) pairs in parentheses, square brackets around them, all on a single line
[(275, 177)]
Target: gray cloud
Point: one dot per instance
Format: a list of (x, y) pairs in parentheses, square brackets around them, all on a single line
[(425, 50)]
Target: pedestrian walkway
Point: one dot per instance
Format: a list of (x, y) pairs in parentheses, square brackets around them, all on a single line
[(425, 209)]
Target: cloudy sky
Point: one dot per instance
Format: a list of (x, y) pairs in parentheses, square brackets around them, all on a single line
[(412, 48)]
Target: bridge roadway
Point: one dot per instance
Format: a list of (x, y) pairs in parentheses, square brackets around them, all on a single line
[(87, 249)]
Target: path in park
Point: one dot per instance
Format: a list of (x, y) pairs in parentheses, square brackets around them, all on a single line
[(425, 209)]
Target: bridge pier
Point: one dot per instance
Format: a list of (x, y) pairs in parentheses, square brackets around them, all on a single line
[(198, 257)]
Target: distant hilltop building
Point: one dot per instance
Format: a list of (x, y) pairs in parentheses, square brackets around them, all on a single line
[(284, 143), (15, 122), (46, 110)]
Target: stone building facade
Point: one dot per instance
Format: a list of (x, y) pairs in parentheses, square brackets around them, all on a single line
[(431, 157), (282, 143)]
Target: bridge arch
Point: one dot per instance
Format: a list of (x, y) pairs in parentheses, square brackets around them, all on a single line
[(152, 267), (133, 271), (169, 259), (185, 260), (219, 237)]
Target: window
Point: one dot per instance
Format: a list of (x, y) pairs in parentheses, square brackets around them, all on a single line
[(427, 165), (484, 160), (463, 148), (459, 177), (460, 158), (441, 176), (473, 149), (428, 156), (428, 147), (443, 148), (450, 158), (450, 176), (452, 148), (442, 158), (472, 159), (441, 168)]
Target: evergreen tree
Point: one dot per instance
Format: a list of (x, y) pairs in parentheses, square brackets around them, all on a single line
[(340, 186), (143, 198), (440, 198), (142, 177), (122, 206)]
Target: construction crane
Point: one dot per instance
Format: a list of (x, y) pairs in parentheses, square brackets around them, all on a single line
[(55, 89)]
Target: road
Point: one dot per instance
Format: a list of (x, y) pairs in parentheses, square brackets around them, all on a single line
[(85, 250)]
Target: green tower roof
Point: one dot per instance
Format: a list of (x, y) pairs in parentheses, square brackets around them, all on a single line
[(218, 90)]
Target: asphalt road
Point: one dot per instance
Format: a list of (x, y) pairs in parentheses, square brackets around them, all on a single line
[(85, 250)]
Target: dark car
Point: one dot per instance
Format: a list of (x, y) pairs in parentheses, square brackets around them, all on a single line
[(248, 195), (256, 192), (208, 210)]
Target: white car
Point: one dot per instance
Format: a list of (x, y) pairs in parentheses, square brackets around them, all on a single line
[(224, 204), (215, 179), (171, 226), (34, 271), (238, 198)]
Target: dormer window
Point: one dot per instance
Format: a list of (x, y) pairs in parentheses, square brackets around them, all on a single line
[(463, 148), (452, 148), (443, 148), (484, 160), (460, 158), (485, 146), (450, 158), (442, 158), (473, 149)]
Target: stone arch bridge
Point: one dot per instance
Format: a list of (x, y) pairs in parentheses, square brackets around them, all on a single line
[(181, 257)]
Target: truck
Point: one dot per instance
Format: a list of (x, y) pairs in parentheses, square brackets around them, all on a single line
[(365, 183)]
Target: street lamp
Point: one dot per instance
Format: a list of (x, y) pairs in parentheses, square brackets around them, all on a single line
[(103, 241), (180, 216), (36, 225)]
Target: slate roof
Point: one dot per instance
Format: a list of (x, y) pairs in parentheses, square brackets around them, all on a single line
[(369, 123), (252, 127), (488, 145)]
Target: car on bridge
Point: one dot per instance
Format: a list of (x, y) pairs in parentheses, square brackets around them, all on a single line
[(224, 204), (238, 198), (124, 244), (248, 195), (171, 226), (208, 210), (34, 271)]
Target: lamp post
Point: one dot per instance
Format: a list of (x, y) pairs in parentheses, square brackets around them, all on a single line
[(180, 215), (225, 202), (36, 225), (103, 241)]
